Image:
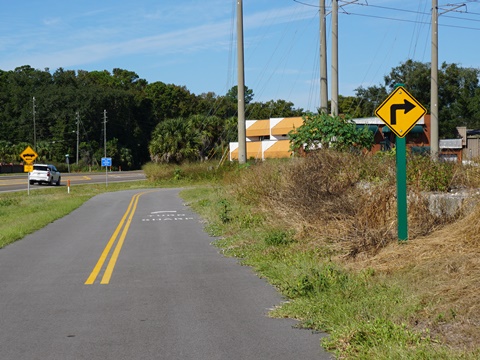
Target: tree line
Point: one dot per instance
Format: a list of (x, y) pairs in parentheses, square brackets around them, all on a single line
[(167, 123), (134, 108)]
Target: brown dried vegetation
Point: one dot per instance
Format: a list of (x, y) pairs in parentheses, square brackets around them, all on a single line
[(347, 203)]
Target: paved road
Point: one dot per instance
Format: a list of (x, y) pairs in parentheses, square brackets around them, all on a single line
[(18, 182), (132, 275)]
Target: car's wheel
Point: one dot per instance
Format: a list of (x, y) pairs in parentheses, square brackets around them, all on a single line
[(50, 182), (32, 182), (58, 181)]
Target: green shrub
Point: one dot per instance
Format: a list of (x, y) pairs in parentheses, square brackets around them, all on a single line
[(225, 211), (430, 175), (278, 238)]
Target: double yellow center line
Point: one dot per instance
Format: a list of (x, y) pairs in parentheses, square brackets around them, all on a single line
[(125, 224)]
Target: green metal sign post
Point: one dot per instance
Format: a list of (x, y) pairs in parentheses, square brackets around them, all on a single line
[(401, 159), (400, 112)]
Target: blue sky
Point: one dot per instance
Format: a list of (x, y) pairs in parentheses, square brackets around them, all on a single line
[(192, 42)]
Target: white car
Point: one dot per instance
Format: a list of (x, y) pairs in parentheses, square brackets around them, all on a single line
[(43, 173)]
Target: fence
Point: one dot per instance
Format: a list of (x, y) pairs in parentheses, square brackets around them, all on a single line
[(11, 168)]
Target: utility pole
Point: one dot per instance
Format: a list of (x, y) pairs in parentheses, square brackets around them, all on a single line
[(334, 104), (78, 134), (105, 143), (105, 131), (434, 146), (323, 61), (34, 127), (434, 83), (242, 142)]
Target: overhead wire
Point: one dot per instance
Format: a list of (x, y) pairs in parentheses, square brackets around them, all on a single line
[(419, 22), (417, 30), (304, 61), (212, 111), (416, 12), (278, 60), (314, 91), (421, 25), (267, 65), (427, 38), (413, 21)]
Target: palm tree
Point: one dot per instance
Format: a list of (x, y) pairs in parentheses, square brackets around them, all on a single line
[(174, 141), (5, 151), (44, 151)]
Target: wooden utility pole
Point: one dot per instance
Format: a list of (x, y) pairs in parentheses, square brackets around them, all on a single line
[(434, 126), (34, 126), (78, 134), (434, 83), (334, 104), (323, 61), (105, 132), (242, 145)]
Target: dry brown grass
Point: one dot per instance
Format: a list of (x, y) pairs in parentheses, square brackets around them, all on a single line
[(341, 198), (444, 269), (347, 203)]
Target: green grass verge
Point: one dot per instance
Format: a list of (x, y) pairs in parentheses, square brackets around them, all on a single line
[(22, 214), (367, 315)]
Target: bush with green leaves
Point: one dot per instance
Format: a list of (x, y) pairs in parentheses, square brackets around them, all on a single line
[(327, 131), (428, 174)]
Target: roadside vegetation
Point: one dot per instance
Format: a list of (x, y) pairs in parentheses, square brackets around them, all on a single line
[(22, 214), (322, 230), (167, 123)]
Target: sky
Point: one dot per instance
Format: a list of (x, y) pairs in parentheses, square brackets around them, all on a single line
[(192, 43)]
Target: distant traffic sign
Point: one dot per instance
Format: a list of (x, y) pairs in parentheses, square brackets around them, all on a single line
[(27, 168), (28, 155), (400, 111), (106, 161)]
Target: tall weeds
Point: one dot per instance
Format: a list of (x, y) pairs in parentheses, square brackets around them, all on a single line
[(348, 199), (322, 230)]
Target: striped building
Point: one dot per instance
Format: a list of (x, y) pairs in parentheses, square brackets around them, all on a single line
[(267, 139)]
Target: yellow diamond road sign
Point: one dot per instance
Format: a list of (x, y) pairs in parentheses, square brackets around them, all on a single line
[(28, 155), (400, 111)]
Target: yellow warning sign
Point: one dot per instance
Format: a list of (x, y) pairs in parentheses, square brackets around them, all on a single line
[(28, 155), (400, 111)]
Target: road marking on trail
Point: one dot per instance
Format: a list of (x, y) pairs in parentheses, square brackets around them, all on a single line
[(125, 224), (166, 215)]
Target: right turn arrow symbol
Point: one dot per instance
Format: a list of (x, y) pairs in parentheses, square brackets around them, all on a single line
[(406, 107)]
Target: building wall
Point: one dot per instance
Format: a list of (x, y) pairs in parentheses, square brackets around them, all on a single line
[(267, 138), (270, 131), (472, 149)]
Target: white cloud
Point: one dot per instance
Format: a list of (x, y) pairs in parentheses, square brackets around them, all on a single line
[(51, 21), (92, 44)]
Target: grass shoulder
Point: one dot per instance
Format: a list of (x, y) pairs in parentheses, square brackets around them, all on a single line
[(321, 237), (321, 230), (22, 214)]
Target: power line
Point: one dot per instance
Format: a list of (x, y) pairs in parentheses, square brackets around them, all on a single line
[(412, 21), (390, 8), (460, 18), (311, 5), (411, 12)]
